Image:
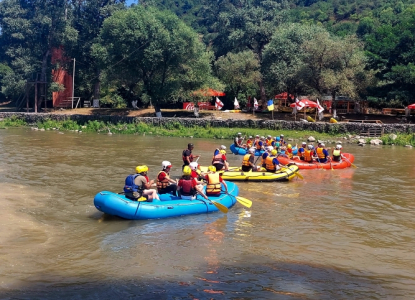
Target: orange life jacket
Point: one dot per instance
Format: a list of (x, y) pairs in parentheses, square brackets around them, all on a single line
[(269, 165), (320, 153), (290, 153), (308, 155), (213, 184), (245, 161), (163, 183), (269, 142)]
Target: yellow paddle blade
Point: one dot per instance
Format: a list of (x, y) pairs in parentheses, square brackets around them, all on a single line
[(299, 175), (244, 201), (353, 165), (221, 207)]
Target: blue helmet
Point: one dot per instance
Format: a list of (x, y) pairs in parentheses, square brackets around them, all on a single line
[(278, 138)]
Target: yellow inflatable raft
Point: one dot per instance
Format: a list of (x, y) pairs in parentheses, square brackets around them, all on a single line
[(236, 174), (310, 119), (333, 120)]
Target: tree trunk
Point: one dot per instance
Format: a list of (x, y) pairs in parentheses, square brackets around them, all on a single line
[(97, 85), (42, 79)]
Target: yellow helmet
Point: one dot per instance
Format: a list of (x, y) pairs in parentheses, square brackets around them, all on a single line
[(187, 171), (274, 152), (289, 146), (212, 168), (141, 169), (222, 152)]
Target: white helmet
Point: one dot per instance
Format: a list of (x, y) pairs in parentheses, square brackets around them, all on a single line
[(303, 143), (193, 165), (222, 147), (322, 145), (339, 147), (251, 150), (281, 135), (310, 147), (270, 148), (239, 133), (166, 164), (269, 136)]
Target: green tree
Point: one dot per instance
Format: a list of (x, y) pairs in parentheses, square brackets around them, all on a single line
[(244, 25), (29, 32), (240, 73), (154, 51), (336, 65), (285, 58)]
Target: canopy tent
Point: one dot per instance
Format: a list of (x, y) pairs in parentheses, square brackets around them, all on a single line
[(209, 93), (304, 103), (412, 106)]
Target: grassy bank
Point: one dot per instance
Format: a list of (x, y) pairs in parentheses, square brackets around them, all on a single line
[(176, 129)]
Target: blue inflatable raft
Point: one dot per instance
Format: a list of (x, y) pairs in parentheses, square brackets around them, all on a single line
[(168, 206), (242, 151)]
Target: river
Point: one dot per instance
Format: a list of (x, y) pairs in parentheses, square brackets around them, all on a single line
[(342, 234)]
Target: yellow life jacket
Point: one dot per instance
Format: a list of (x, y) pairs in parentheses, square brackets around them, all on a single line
[(320, 153), (213, 185), (245, 161), (249, 143), (308, 155), (269, 142), (337, 154), (163, 183), (269, 165)]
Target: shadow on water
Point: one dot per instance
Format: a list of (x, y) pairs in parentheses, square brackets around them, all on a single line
[(251, 278)]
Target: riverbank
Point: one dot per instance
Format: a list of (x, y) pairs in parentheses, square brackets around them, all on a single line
[(395, 134)]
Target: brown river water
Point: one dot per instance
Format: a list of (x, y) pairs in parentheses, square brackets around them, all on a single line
[(342, 234)]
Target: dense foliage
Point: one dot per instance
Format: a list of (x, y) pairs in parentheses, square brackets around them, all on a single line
[(159, 51)]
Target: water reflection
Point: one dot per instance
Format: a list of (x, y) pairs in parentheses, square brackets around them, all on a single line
[(338, 234)]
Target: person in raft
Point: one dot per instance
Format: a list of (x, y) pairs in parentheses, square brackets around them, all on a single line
[(219, 161), (301, 150), (249, 142), (196, 173), (187, 155), (264, 155), (238, 141), (271, 162), (188, 187), (337, 153), (138, 185), (164, 183), (214, 181), (308, 153), (248, 161), (217, 150), (282, 141), (322, 153)]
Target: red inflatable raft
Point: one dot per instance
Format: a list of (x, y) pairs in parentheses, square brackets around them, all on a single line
[(347, 160)]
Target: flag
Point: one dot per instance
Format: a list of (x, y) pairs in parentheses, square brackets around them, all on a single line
[(320, 111), (298, 105), (218, 104), (255, 103), (270, 105), (236, 104)]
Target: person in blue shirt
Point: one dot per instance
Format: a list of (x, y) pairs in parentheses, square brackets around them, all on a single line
[(271, 162), (217, 150), (322, 153), (301, 150), (265, 155)]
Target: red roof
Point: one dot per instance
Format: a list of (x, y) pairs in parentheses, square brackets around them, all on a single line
[(283, 96), (209, 92)]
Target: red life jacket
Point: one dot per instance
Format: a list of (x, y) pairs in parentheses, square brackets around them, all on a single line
[(187, 189), (184, 157), (217, 159), (162, 184)]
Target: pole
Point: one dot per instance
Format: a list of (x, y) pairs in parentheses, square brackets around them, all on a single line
[(36, 95), (73, 82)]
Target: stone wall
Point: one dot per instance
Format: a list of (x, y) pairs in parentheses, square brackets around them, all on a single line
[(188, 122)]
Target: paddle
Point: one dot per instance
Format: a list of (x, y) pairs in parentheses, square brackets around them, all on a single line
[(219, 206), (242, 200), (297, 173), (354, 166), (331, 166)]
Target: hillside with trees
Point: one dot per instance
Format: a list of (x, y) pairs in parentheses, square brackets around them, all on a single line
[(161, 51)]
